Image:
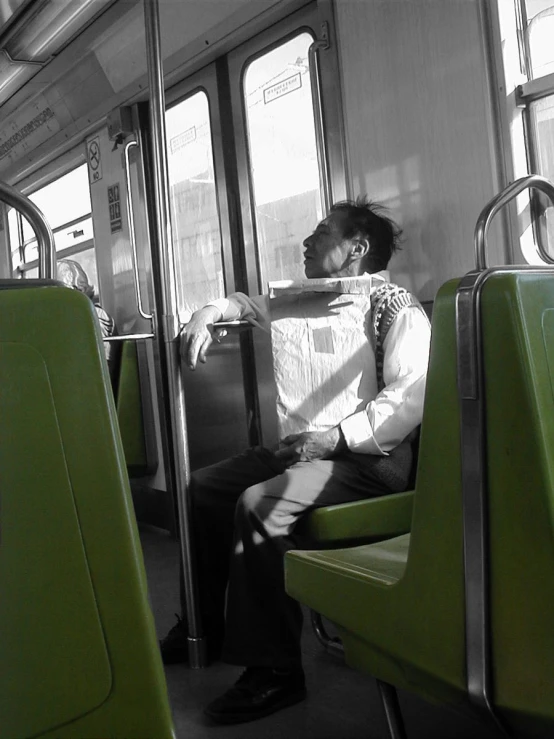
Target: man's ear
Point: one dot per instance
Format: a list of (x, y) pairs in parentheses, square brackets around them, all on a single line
[(360, 248)]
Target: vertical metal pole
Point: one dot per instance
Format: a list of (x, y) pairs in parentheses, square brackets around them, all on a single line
[(393, 715), (168, 322)]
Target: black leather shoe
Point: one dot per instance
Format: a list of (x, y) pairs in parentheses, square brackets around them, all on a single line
[(258, 692), (174, 646)]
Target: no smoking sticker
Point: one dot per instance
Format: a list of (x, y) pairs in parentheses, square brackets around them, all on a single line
[(94, 161)]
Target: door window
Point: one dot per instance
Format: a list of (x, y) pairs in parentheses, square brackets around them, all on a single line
[(282, 156), (193, 200)]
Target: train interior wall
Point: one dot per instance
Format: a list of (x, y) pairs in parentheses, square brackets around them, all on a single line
[(419, 128)]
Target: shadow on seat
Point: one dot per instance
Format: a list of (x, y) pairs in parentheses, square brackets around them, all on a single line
[(78, 647)]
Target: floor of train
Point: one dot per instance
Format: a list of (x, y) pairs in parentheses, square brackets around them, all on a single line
[(341, 703)]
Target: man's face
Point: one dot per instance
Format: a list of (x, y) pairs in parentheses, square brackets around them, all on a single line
[(326, 250)]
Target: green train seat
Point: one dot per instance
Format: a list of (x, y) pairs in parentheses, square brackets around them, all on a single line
[(78, 648), (362, 521), (347, 524), (460, 611), (129, 412)]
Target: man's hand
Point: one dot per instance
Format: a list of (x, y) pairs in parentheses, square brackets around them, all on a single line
[(198, 335), (311, 445)]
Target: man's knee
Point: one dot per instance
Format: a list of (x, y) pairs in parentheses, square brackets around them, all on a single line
[(253, 500), (263, 506)]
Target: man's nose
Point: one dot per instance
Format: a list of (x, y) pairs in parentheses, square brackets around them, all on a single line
[(307, 241)]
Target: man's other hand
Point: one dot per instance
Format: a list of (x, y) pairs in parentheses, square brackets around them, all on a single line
[(198, 335), (311, 445)]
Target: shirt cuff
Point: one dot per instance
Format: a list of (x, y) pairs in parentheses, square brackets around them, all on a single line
[(227, 307), (358, 434)]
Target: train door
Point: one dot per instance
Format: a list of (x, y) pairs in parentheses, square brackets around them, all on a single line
[(251, 167), (219, 413), (286, 122)]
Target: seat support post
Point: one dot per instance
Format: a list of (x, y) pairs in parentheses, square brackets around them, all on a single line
[(393, 715), (333, 644)]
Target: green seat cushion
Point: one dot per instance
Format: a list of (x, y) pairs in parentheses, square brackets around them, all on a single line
[(365, 520)]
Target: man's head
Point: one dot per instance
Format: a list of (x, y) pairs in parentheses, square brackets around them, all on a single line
[(73, 275), (356, 237)]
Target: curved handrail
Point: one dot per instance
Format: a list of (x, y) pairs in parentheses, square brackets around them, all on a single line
[(533, 181), (132, 236), (39, 224)]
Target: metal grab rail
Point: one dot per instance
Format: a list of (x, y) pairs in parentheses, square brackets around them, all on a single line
[(313, 66), (39, 224), (132, 235), (167, 329), (533, 181), (128, 337)]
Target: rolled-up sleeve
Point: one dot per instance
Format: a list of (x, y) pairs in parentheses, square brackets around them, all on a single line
[(398, 408), (240, 306)]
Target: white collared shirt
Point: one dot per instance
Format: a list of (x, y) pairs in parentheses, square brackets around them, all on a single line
[(395, 411)]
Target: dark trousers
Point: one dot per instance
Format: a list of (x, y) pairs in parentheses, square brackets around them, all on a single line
[(244, 512)]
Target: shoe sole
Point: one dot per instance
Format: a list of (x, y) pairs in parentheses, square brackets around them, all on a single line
[(243, 718)]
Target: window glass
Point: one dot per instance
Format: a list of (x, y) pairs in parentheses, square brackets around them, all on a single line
[(66, 205), (540, 35), (193, 199), (283, 156), (63, 200), (542, 119)]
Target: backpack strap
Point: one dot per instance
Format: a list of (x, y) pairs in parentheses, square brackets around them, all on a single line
[(387, 302)]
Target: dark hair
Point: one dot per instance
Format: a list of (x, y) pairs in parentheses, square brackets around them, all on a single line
[(73, 275), (366, 219)]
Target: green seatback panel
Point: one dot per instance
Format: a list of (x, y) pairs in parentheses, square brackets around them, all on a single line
[(43, 576), (129, 411), (78, 649), (400, 612), (518, 332), (366, 520)]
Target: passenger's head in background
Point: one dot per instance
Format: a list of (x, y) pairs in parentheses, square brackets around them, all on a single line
[(73, 275), (356, 237)]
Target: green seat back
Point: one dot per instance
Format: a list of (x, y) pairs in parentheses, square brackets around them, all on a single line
[(129, 411), (78, 647), (518, 332)]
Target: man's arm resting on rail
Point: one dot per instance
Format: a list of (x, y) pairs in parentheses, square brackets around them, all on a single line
[(198, 335)]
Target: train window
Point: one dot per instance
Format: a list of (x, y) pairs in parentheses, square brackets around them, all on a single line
[(283, 155), (539, 20), (194, 212), (67, 207), (537, 96), (541, 115)]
